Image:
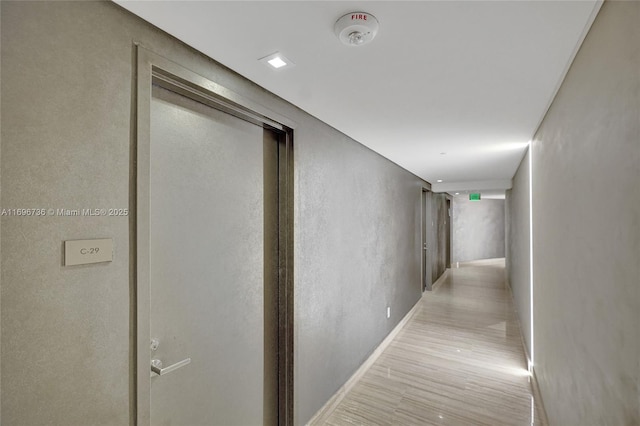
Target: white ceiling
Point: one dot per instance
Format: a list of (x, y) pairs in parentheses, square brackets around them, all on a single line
[(471, 79)]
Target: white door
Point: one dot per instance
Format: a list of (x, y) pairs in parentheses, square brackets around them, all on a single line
[(206, 253)]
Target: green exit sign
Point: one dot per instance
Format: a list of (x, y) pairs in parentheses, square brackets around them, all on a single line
[(474, 196)]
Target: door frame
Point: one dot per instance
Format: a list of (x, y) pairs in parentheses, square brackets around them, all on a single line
[(425, 238), (449, 229), (152, 68)]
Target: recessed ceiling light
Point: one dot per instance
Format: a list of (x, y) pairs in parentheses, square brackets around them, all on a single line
[(277, 61), (457, 193), (439, 180)]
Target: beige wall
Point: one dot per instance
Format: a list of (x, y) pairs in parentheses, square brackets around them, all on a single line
[(67, 126), (0, 220), (586, 242), (518, 247), (478, 229)]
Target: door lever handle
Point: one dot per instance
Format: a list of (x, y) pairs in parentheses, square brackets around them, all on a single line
[(156, 366)]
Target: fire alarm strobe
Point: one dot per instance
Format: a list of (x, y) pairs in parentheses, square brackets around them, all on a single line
[(356, 28)]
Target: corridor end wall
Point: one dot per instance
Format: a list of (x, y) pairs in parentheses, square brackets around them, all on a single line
[(478, 229)]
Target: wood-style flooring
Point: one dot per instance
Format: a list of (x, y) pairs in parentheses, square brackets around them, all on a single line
[(458, 361)]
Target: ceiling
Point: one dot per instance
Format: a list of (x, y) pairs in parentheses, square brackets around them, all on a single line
[(449, 90)]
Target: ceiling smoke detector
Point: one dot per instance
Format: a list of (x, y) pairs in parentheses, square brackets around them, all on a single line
[(356, 28)]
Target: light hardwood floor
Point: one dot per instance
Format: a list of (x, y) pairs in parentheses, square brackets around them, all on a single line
[(458, 361)]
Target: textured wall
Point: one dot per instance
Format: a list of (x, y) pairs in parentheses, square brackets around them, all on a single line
[(518, 249), (357, 251), (478, 229), (0, 221), (586, 210), (66, 117), (67, 123)]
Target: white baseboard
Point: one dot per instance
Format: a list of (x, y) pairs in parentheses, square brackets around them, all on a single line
[(440, 280), (323, 414), (478, 262), (538, 397), (535, 388)]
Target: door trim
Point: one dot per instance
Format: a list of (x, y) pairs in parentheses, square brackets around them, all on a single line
[(152, 69), (285, 280), (425, 240)]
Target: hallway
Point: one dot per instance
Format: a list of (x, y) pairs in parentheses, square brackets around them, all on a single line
[(458, 361), (319, 196)]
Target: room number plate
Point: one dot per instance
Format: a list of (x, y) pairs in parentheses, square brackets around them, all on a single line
[(81, 252)]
